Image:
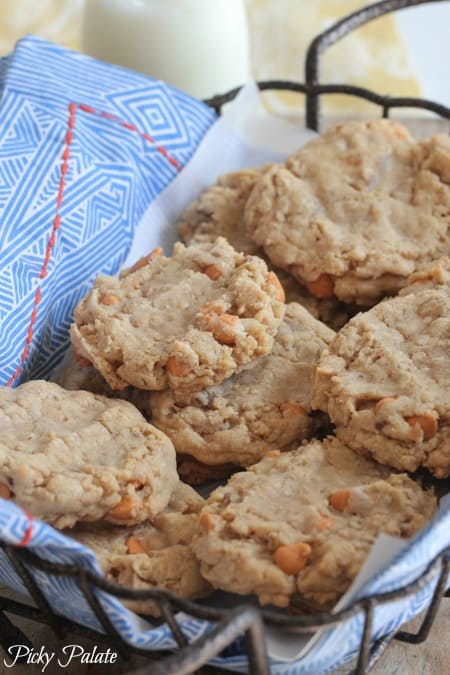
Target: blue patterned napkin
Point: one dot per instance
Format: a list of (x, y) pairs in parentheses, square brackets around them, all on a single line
[(85, 147)]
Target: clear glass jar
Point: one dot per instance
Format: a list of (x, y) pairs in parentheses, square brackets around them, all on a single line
[(199, 46)]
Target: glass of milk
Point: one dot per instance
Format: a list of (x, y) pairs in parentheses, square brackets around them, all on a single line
[(199, 46)]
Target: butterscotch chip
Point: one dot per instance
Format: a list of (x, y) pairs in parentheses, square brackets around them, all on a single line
[(291, 558), (384, 379), (293, 408), (125, 511), (157, 334), (273, 280), (339, 500), (109, 299), (152, 555), (225, 327), (275, 533), (427, 422), (362, 207), (382, 402), (142, 262), (219, 211), (322, 287), (261, 409), (213, 272), (177, 367), (134, 544), (75, 456)]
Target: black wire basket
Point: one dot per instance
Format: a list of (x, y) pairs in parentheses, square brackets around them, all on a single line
[(244, 619)]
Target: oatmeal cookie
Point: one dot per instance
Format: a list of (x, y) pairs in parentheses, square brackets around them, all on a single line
[(152, 555), (219, 211), (356, 211), (71, 375), (304, 522), (69, 456), (384, 379), (256, 411), (186, 322)]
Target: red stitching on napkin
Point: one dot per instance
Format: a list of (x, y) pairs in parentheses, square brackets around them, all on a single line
[(59, 199), (131, 127), (50, 243), (28, 532)]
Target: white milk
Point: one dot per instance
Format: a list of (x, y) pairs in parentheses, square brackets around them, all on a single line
[(199, 46)]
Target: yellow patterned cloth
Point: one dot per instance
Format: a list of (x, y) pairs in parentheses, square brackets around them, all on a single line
[(56, 20), (280, 31), (373, 56)]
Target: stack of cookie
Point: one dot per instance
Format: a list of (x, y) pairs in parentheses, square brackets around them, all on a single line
[(93, 464), (357, 215), (226, 365), (233, 377)]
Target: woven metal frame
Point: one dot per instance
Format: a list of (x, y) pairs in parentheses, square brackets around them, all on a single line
[(230, 623), (244, 619)]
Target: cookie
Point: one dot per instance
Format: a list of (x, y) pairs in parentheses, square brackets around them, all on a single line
[(69, 456), (71, 375), (356, 211), (384, 380), (259, 410), (219, 211), (303, 523), (152, 555), (186, 322)]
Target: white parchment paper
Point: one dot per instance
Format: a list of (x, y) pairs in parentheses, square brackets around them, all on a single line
[(245, 136)]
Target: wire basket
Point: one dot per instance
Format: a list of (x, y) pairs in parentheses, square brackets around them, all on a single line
[(247, 620)]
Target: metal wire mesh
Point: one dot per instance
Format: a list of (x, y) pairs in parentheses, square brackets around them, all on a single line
[(230, 624), (244, 619)]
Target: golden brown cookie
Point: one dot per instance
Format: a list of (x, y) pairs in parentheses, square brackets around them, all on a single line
[(302, 523), (219, 211), (73, 376), (263, 409), (69, 456), (152, 555), (384, 378), (185, 322), (355, 211)]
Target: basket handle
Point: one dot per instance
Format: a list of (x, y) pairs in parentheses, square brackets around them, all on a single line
[(332, 35)]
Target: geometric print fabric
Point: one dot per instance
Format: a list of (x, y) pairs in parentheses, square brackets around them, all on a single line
[(85, 147)]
